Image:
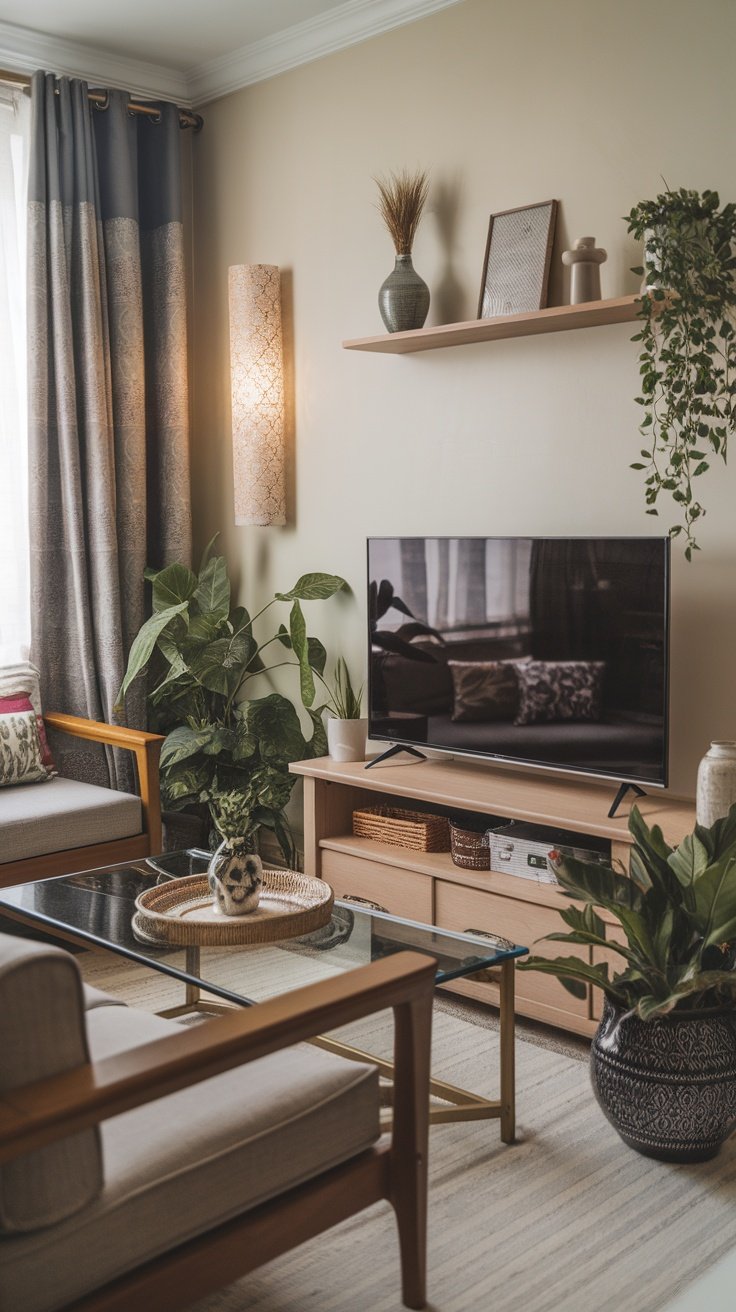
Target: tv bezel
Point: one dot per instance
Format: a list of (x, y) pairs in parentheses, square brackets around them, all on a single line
[(498, 757)]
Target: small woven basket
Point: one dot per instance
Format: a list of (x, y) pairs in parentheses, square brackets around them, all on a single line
[(413, 829), (181, 912), (470, 847)]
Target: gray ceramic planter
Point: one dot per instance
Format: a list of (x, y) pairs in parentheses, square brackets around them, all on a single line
[(404, 297), (668, 1085)]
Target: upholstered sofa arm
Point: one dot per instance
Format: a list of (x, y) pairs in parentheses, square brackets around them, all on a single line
[(63, 1105), (147, 749)]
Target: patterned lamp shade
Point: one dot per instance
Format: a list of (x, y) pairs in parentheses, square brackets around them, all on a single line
[(257, 380)]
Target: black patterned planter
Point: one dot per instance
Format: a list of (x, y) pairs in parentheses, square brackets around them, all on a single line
[(668, 1085)]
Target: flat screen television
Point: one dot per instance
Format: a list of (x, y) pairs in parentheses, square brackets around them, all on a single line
[(545, 652)]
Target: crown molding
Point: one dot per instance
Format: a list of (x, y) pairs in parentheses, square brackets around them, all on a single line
[(23, 51), (354, 21)]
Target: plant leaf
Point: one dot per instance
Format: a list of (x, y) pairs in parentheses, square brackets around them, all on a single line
[(298, 635), (143, 645), (220, 666), (184, 742), (720, 837), (573, 971), (314, 587), (213, 589), (172, 585), (599, 884), (689, 860), (317, 745), (713, 908), (184, 784), (316, 654), (276, 725)]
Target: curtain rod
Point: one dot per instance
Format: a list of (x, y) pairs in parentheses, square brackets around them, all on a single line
[(187, 117)]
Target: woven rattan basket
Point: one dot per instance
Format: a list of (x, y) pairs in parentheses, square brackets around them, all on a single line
[(182, 912), (414, 829), (470, 847)]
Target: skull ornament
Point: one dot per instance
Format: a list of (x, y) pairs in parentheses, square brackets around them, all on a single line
[(235, 877)]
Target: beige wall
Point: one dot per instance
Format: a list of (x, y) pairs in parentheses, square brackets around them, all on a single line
[(506, 102)]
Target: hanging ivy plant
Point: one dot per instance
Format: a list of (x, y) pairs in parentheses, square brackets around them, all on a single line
[(688, 344)]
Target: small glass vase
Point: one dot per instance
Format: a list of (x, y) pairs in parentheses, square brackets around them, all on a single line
[(716, 791), (404, 297)]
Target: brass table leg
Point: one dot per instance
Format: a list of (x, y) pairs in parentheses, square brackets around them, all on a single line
[(507, 1025), (194, 1001), (459, 1104)]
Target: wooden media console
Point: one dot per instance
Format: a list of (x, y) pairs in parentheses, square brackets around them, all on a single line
[(429, 887)]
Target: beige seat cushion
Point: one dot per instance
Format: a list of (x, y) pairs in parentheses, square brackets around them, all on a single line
[(96, 998), (179, 1166), (62, 814)]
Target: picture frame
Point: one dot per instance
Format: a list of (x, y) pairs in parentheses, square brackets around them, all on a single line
[(517, 260)]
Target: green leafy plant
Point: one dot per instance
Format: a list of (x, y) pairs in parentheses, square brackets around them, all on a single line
[(226, 750), (342, 699), (678, 916), (688, 344)]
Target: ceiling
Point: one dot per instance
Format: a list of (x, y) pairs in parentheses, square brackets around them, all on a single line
[(175, 33), (192, 50)]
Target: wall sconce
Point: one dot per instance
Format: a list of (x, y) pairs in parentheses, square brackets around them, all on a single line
[(257, 382)]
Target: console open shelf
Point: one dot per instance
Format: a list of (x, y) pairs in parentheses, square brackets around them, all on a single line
[(555, 319), (429, 887)]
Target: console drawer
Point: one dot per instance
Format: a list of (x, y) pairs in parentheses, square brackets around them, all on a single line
[(400, 892), (460, 909)]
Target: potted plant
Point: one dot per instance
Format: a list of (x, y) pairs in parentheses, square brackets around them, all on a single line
[(346, 729), (663, 1061), (202, 655), (688, 344)]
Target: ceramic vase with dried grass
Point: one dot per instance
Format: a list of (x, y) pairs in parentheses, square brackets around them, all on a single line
[(403, 299)]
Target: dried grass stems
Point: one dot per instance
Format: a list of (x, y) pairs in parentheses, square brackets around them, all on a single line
[(402, 197)]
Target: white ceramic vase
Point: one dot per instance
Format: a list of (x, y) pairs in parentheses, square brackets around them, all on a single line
[(716, 792), (235, 877), (346, 739)]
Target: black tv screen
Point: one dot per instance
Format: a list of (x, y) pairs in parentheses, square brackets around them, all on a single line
[(541, 651)]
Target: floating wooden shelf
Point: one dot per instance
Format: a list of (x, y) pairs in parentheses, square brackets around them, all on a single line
[(556, 319)]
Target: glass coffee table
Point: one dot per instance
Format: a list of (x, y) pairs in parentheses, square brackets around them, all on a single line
[(97, 906)]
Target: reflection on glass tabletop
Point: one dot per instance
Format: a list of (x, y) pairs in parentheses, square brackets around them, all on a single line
[(97, 906)]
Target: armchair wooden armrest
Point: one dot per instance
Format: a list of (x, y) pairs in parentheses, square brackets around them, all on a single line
[(62, 1105), (147, 750)]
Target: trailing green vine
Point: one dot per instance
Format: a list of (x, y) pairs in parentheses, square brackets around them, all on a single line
[(688, 345)]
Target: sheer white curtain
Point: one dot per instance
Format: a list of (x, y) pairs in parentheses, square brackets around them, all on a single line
[(14, 572)]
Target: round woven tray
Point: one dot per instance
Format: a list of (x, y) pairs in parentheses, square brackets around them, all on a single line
[(182, 912)]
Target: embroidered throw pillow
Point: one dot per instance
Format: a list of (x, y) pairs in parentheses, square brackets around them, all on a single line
[(20, 749), (484, 690), (559, 690), (20, 701)]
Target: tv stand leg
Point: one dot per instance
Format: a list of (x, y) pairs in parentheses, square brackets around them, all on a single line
[(394, 751), (620, 795)]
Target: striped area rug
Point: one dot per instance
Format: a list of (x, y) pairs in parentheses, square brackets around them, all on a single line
[(566, 1220)]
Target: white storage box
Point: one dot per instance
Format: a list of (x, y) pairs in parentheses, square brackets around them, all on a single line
[(524, 850)]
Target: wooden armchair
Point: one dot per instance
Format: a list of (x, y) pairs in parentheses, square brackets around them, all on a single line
[(48, 1111), (35, 813)]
